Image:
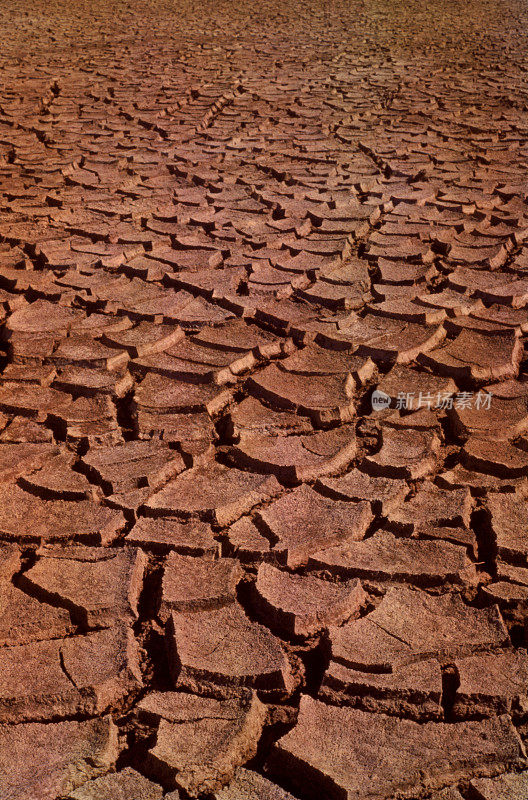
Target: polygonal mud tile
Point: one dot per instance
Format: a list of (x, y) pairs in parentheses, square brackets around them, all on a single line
[(201, 741), (301, 606), (54, 758), (25, 619), (509, 519), (248, 543), (224, 649), (84, 351), (195, 584), (99, 586), (404, 453), (252, 418), (336, 748), (58, 481), (478, 482), (491, 683), (303, 521), (393, 341), (384, 557), (160, 395), (384, 494), (33, 401), (118, 786), (191, 538), (314, 360), (192, 433), (297, 458), (61, 678), (410, 690), (132, 465), (144, 339), (248, 785), (431, 507), (16, 459), (26, 517), (500, 413), (410, 625), (323, 398), (494, 458), (476, 356), (511, 784), (212, 492), (415, 389)]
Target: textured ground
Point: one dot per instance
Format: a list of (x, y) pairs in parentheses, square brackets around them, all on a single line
[(223, 572)]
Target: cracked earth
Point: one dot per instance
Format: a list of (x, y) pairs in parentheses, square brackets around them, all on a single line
[(224, 573)]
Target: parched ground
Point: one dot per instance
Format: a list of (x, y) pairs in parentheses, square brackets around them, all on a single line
[(264, 400)]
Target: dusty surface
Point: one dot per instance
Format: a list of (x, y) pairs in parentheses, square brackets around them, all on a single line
[(263, 400)]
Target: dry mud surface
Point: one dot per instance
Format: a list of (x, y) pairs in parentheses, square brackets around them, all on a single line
[(224, 573)]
